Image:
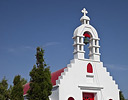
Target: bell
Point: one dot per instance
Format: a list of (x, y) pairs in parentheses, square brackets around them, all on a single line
[(86, 41)]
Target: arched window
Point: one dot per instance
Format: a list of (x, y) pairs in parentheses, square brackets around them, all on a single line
[(89, 68), (87, 41), (87, 37), (71, 98)]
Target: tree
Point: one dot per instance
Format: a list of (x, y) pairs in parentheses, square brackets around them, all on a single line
[(40, 81), (4, 93), (23, 81), (121, 96), (17, 89)]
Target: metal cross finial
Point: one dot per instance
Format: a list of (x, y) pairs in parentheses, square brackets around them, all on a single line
[(84, 11)]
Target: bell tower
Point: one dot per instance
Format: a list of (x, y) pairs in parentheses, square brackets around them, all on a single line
[(83, 35)]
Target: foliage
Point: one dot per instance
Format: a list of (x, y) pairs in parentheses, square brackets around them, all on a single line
[(4, 93), (40, 82), (121, 96), (23, 81), (17, 89)]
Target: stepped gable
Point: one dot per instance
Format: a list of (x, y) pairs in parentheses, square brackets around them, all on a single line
[(54, 77)]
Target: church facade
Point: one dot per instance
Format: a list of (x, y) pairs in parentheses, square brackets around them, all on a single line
[(83, 79)]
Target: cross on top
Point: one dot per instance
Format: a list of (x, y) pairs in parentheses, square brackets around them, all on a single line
[(84, 11)]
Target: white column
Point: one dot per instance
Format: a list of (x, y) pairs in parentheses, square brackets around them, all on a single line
[(79, 52), (77, 47), (97, 50), (77, 39)]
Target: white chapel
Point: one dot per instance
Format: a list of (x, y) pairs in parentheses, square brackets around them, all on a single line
[(83, 79)]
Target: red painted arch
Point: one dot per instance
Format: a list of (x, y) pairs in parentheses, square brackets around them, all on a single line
[(89, 68)]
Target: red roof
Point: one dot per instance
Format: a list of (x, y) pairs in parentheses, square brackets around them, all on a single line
[(54, 77), (26, 88)]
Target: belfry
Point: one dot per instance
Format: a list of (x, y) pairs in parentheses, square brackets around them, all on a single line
[(83, 78), (87, 33)]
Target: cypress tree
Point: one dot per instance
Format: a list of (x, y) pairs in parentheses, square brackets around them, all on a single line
[(40, 81), (17, 89), (121, 96), (4, 92)]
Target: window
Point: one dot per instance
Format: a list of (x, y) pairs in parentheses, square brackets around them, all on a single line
[(71, 98), (95, 42), (79, 39), (89, 68), (80, 47), (86, 22), (95, 50)]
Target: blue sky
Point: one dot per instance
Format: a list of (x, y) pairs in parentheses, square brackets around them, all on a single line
[(26, 24)]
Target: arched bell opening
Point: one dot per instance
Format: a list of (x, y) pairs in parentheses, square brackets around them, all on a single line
[(86, 39)]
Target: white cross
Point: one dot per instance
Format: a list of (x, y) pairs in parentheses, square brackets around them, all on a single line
[(84, 11)]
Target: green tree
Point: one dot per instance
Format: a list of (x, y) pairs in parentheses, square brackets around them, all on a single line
[(40, 81), (121, 96), (4, 93), (17, 89), (23, 81)]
